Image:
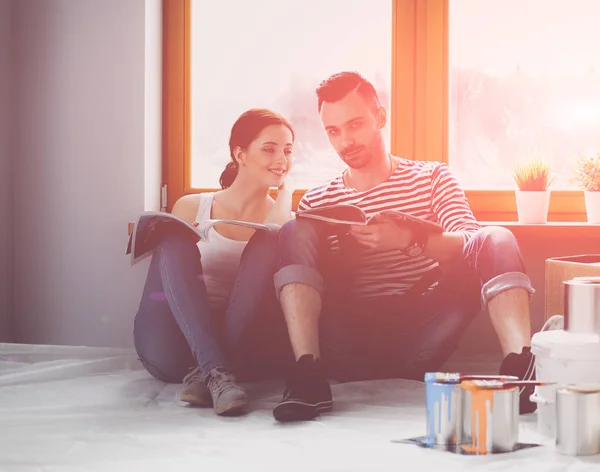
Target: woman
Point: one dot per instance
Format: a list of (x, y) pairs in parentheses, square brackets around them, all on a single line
[(204, 305)]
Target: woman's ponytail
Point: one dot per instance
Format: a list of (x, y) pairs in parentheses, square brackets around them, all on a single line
[(228, 175)]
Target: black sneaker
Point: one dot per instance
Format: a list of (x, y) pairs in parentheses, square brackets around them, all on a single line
[(522, 366), (307, 393)]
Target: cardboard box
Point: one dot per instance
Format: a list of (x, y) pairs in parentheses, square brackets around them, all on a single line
[(559, 269)]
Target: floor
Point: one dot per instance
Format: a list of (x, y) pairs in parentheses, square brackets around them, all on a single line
[(92, 409)]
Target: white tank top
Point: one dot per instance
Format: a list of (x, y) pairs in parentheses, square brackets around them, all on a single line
[(220, 259)]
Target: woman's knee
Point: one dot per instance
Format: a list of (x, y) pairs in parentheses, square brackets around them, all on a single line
[(269, 238), (263, 247), (177, 243)]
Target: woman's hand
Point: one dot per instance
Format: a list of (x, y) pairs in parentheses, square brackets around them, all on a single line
[(287, 185), (281, 211)]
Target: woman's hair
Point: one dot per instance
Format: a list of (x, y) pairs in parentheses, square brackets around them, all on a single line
[(245, 130)]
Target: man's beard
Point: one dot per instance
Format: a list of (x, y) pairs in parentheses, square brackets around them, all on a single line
[(356, 157)]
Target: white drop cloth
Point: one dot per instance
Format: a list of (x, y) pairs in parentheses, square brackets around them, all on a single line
[(93, 409)]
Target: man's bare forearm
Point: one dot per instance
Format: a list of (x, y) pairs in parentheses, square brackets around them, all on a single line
[(444, 247)]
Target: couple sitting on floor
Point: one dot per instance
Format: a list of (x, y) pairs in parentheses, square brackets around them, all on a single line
[(307, 302)]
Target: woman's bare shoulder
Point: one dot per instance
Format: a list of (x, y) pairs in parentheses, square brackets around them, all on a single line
[(186, 207)]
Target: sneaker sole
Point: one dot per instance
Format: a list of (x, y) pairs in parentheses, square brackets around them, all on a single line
[(233, 408), (299, 411), (193, 401)]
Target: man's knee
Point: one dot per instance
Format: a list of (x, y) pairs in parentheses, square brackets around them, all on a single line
[(298, 231), (496, 238), (499, 263), (299, 250), (299, 244)]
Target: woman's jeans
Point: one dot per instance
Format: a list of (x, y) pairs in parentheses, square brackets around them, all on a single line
[(396, 335), (175, 330)]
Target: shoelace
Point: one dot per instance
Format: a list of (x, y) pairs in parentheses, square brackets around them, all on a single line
[(220, 381), (192, 377)]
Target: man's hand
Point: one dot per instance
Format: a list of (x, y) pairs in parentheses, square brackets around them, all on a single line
[(382, 234)]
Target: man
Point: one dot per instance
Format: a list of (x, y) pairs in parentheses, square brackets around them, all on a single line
[(384, 301)]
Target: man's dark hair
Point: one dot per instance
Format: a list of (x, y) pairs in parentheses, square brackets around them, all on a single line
[(341, 84)]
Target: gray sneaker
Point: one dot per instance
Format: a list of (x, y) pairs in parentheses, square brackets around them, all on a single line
[(194, 391), (228, 397)]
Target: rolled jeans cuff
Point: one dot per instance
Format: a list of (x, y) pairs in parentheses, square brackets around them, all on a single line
[(503, 282), (299, 274)]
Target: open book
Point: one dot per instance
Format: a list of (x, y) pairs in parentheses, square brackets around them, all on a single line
[(346, 214), (152, 226)]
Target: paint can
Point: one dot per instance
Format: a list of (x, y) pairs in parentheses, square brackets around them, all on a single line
[(490, 416), (582, 305), (578, 419), (442, 394)]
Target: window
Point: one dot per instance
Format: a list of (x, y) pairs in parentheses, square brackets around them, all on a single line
[(524, 82), (476, 84), (273, 54)]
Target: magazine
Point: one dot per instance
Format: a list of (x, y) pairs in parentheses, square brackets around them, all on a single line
[(346, 214), (151, 226)]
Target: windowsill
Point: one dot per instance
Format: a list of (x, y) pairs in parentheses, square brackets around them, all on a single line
[(552, 229)]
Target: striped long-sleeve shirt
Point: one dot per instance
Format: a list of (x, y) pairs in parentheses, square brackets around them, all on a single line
[(424, 189)]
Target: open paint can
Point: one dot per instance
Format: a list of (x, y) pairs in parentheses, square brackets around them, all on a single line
[(578, 420), (443, 408), (490, 416)]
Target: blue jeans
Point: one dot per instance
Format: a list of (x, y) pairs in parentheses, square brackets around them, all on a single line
[(396, 336), (175, 330)]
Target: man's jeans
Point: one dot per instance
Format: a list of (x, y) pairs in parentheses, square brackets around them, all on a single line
[(175, 330), (396, 335)]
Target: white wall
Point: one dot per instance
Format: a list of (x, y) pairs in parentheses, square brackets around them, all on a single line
[(79, 169), (153, 105), (5, 175)]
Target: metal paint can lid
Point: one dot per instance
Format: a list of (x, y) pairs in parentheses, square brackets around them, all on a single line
[(583, 388), (583, 280), (442, 377)]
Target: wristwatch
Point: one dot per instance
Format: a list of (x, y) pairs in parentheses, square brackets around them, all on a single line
[(417, 245)]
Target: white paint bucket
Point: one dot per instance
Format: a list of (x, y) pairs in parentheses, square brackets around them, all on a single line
[(564, 358)]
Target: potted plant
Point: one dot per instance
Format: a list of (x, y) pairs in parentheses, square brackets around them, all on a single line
[(587, 175), (533, 194)]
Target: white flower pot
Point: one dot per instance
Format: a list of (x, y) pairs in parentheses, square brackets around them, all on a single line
[(532, 206), (592, 206)]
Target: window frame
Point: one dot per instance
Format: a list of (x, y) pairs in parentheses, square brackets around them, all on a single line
[(419, 105)]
